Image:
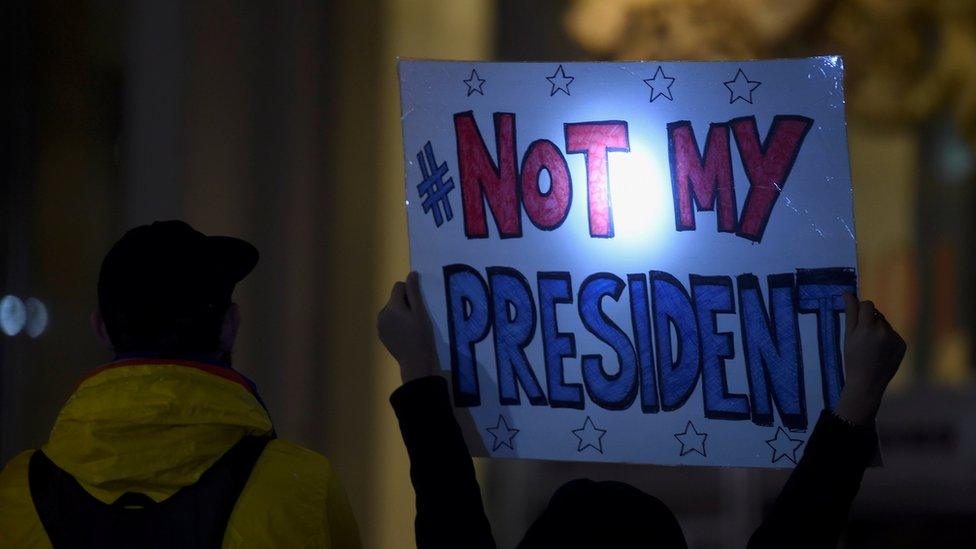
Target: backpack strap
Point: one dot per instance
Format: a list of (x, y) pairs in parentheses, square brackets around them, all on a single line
[(196, 516)]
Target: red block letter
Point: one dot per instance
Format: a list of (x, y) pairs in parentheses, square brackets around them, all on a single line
[(596, 139), (699, 183), (481, 179), (546, 210), (767, 166)]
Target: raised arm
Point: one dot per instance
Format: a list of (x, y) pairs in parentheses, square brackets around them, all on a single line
[(812, 508), (449, 508)]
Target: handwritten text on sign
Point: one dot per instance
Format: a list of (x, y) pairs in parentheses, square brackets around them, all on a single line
[(561, 218)]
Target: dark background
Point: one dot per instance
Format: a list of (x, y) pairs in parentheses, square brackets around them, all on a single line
[(279, 123)]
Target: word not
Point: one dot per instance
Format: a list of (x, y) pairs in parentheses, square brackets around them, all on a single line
[(700, 180), (663, 375)]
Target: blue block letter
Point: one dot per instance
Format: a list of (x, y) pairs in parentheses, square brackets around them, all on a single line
[(468, 320), (677, 371), (713, 296), (514, 315), (771, 342), (557, 288), (640, 316), (611, 391), (821, 292)]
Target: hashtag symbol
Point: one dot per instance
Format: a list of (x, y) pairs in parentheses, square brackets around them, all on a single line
[(433, 189)]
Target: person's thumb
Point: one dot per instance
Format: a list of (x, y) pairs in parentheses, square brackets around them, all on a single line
[(398, 299), (851, 311)]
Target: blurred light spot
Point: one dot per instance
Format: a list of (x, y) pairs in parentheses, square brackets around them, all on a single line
[(13, 315), (37, 317), (643, 211), (958, 162)]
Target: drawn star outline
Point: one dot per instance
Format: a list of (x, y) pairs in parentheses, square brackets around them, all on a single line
[(691, 440), (784, 446), (589, 436), (502, 434), (474, 83), (560, 81), (660, 85), (741, 87)]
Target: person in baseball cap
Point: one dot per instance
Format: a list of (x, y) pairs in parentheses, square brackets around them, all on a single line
[(168, 445), (166, 288)]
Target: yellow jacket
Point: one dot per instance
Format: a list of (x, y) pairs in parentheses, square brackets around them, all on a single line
[(154, 426)]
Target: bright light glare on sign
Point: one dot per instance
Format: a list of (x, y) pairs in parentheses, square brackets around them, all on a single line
[(642, 207), (13, 315)]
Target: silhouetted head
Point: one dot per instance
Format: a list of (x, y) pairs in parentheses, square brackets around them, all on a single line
[(604, 515), (166, 289)]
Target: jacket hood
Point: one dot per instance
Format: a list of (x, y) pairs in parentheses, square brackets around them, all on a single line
[(152, 426)]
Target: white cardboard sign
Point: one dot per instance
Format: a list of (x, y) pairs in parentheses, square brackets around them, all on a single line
[(633, 262)]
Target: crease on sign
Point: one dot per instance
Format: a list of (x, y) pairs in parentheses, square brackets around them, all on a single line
[(847, 227), (408, 105), (806, 213), (626, 69)]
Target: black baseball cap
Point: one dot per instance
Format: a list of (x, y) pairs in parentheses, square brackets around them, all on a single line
[(154, 270)]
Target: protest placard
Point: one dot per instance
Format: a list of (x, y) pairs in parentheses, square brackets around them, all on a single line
[(633, 262)]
